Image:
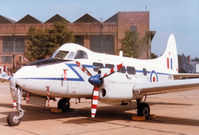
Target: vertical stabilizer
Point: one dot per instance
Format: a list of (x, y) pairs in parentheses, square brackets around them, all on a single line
[(170, 56)]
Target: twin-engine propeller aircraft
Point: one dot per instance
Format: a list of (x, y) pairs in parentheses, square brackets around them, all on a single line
[(76, 72)]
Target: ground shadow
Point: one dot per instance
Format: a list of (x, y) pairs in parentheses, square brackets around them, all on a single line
[(104, 114)]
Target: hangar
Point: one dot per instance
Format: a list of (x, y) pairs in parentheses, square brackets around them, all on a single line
[(96, 35)]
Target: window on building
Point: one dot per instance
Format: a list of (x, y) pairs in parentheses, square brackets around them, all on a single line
[(14, 44), (79, 39), (19, 44), (102, 43), (133, 28), (8, 45), (131, 70), (97, 66), (6, 59)]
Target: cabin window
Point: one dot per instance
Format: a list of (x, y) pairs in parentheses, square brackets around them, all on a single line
[(144, 71), (131, 70), (109, 66), (61, 54), (81, 55), (123, 70), (97, 66)]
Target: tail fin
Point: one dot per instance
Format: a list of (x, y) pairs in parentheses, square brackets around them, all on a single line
[(170, 56)]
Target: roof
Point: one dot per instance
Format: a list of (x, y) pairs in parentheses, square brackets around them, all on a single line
[(57, 18), (113, 18), (5, 20), (29, 19), (86, 18)]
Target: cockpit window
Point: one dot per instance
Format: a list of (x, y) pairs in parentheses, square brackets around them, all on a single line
[(81, 55), (61, 54), (70, 55)]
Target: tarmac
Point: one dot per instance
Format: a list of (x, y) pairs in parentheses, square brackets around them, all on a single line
[(176, 114)]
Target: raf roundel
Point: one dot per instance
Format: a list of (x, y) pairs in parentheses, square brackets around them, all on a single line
[(153, 77)]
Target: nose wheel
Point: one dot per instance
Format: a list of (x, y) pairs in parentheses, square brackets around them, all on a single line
[(14, 118), (64, 104)]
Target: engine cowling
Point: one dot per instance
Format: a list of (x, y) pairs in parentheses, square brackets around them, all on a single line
[(116, 90)]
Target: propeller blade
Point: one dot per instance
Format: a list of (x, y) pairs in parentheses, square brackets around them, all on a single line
[(112, 71), (83, 68), (94, 101)]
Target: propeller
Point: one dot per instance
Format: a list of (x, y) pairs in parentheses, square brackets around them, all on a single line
[(97, 81)]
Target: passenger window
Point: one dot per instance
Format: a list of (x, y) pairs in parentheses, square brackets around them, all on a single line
[(109, 66), (123, 70), (97, 66), (81, 55), (144, 71), (131, 70)]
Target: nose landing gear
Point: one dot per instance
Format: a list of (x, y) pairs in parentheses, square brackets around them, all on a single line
[(14, 118)]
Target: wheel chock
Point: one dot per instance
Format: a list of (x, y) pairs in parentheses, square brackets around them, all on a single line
[(152, 116), (138, 118), (141, 118), (55, 110)]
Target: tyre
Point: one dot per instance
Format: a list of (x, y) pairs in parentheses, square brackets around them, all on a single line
[(12, 119), (143, 110), (64, 105)]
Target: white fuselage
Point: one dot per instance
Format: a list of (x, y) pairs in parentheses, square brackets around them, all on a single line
[(35, 78)]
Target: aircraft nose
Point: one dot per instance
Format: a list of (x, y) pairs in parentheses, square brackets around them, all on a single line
[(22, 73)]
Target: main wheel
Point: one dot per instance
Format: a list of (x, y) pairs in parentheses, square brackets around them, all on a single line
[(64, 104), (12, 119), (143, 110)]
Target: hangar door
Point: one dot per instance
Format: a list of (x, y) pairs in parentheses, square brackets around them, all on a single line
[(102, 43)]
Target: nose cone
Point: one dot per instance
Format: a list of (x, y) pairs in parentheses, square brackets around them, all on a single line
[(95, 80), (23, 72)]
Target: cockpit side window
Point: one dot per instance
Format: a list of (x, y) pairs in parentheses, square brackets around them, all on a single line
[(81, 55), (70, 55), (61, 54)]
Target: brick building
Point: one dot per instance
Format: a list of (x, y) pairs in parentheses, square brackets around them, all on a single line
[(98, 36)]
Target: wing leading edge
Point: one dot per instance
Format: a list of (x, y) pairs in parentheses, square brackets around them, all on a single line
[(166, 87)]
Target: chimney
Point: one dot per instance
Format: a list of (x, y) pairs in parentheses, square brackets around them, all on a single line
[(188, 58)]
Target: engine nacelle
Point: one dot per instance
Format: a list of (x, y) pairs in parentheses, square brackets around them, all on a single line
[(120, 91)]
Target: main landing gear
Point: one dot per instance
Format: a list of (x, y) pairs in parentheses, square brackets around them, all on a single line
[(64, 104), (143, 109)]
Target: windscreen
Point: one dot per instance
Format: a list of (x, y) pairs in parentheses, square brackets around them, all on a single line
[(61, 54)]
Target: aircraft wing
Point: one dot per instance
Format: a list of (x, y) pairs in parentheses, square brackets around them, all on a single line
[(166, 87), (185, 75)]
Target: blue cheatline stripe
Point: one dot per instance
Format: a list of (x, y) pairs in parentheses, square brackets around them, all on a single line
[(71, 66), (171, 63), (79, 77), (163, 73)]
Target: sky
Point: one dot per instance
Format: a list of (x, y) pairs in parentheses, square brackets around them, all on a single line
[(180, 17)]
